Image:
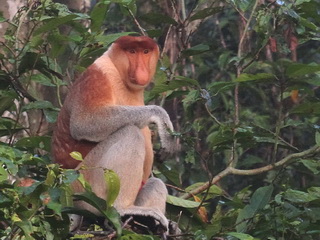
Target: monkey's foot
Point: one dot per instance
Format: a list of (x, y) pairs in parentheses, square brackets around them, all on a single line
[(144, 224)]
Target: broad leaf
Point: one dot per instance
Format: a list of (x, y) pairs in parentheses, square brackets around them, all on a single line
[(42, 142), (258, 201), (93, 200), (241, 236), (54, 23), (98, 15), (202, 14), (113, 186), (307, 108), (299, 69), (182, 202), (198, 49), (296, 196), (245, 77), (157, 18), (76, 155)]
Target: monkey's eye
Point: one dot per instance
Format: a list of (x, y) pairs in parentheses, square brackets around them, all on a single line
[(132, 51), (146, 51)]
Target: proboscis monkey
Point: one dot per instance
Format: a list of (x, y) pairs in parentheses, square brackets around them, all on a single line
[(104, 118)]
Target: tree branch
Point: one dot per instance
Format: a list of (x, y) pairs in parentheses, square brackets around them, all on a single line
[(231, 170)]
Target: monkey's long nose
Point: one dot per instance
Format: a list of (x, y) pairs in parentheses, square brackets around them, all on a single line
[(142, 75)]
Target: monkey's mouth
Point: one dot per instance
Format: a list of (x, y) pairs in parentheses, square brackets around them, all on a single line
[(137, 83)]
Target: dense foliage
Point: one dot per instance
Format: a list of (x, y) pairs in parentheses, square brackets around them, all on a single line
[(240, 79)]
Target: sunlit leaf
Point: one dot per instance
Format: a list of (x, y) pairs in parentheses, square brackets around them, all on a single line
[(76, 155), (113, 186)]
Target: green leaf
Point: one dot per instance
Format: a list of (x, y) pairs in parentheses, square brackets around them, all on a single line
[(218, 87), (214, 189), (113, 216), (299, 69), (318, 138), (312, 165), (84, 183), (122, 2), (157, 18), (52, 24), (170, 173), (223, 136), (42, 142), (307, 108), (261, 197), (110, 38), (3, 174), (296, 196), (178, 82), (202, 14), (51, 115), (243, 5), (98, 15), (245, 77), (113, 186), (9, 126), (26, 227), (135, 236), (42, 79), (314, 191), (76, 155), (198, 49), (6, 99), (258, 201), (182, 202), (39, 105), (308, 24), (241, 236), (31, 60), (92, 199)]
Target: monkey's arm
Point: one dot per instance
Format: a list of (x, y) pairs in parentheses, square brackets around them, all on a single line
[(97, 125)]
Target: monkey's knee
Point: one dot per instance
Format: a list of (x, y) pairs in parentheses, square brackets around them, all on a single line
[(153, 194)]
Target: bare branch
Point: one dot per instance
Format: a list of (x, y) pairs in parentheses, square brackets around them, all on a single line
[(231, 170)]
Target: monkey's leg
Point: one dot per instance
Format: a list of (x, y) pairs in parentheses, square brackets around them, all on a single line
[(153, 194), (149, 207), (149, 154), (124, 153)]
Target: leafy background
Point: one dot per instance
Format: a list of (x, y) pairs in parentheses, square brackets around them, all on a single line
[(240, 80)]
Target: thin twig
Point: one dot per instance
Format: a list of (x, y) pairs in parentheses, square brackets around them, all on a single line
[(142, 31)]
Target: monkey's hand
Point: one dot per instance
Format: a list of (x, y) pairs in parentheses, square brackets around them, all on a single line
[(169, 141)]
